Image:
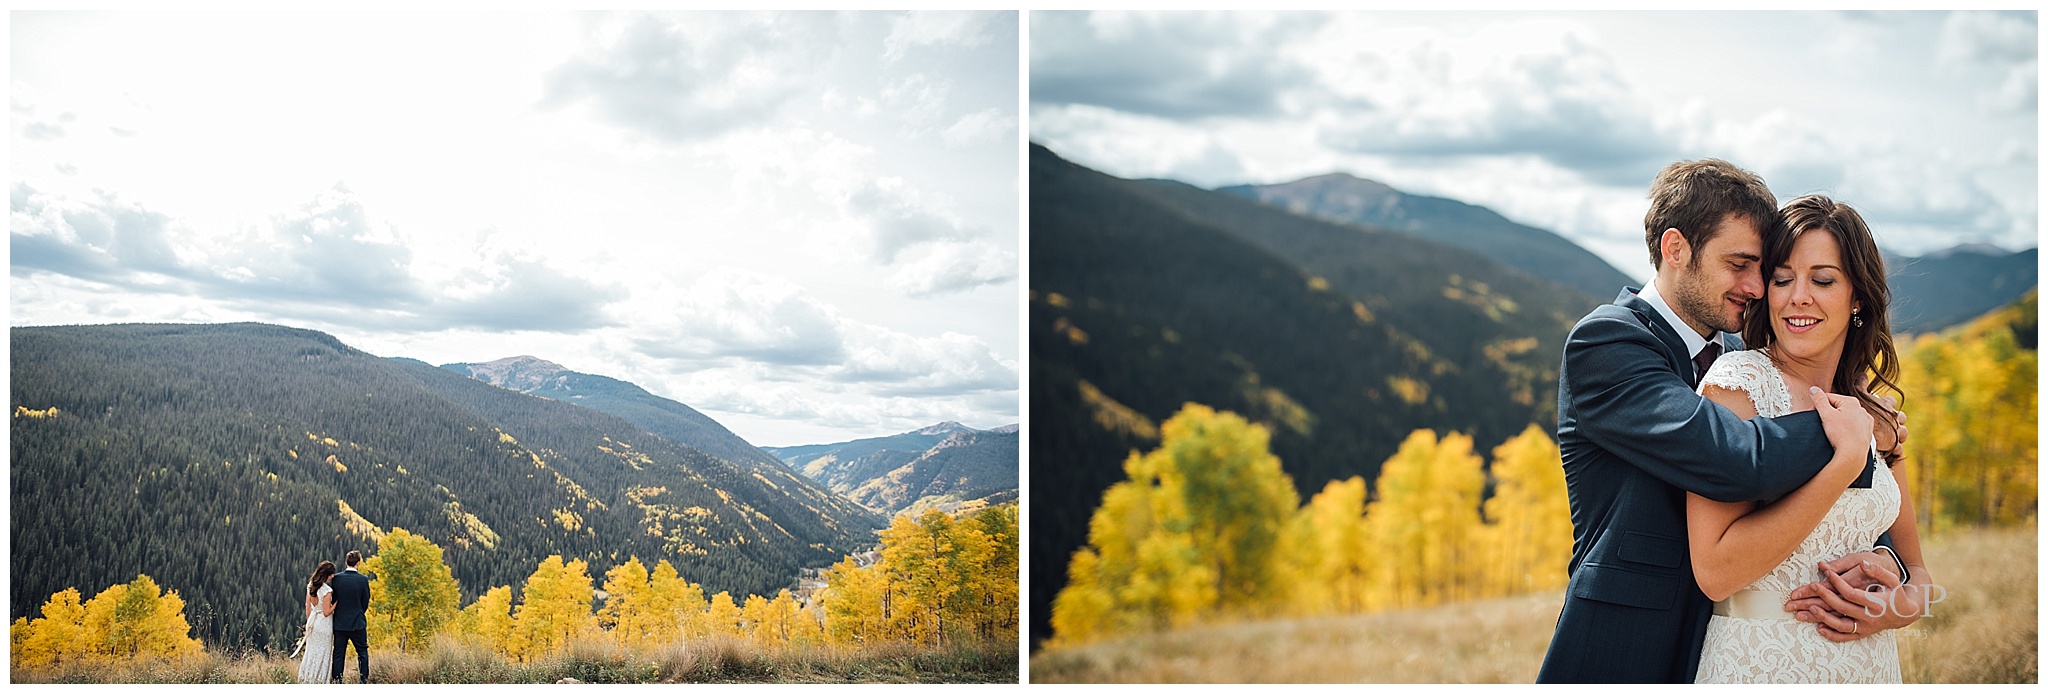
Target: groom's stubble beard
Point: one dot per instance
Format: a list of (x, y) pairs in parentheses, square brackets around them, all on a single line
[(1693, 300)]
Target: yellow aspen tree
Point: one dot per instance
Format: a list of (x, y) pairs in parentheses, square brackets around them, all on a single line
[(917, 554), (1328, 550), (754, 621), (998, 579), (722, 616), (1083, 610), (489, 619), (138, 620), (971, 555), (17, 640), (1425, 519), (799, 624), (1531, 531), (1236, 495), (626, 612), (414, 594), (676, 606), (555, 608), (55, 638), (853, 602)]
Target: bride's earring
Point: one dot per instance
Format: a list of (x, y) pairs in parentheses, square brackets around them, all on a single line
[(1855, 321)]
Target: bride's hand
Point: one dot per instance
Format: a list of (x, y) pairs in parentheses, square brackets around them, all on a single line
[(1846, 422), (1857, 596)]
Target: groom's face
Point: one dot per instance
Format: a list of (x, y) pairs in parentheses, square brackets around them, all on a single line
[(1723, 275)]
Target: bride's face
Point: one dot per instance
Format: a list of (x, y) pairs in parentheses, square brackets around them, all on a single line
[(1810, 298)]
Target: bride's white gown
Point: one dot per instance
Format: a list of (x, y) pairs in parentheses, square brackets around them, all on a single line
[(1742, 649), (318, 662)]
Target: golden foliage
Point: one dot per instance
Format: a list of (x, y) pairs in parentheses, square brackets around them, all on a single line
[(1191, 533), (414, 595), (1972, 399), (357, 525), (1162, 555), (135, 621), (1411, 390), (1114, 416), (20, 412)]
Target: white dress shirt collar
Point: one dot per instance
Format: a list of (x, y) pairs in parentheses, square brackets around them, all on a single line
[(1694, 342)]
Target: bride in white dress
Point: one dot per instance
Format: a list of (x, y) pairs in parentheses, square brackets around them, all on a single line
[(317, 665), (1824, 326)]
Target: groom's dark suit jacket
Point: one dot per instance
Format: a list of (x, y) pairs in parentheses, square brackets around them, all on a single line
[(351, 599), (1635, 437)]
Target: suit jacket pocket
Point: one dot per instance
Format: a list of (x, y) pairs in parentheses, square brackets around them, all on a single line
[(1621, 586), (1655, 550)]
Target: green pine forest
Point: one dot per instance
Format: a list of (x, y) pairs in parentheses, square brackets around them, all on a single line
[(225, 461)]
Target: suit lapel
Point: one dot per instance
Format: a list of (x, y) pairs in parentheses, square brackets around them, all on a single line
[(1674, 346)]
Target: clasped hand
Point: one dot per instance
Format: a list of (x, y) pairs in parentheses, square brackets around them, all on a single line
[(1858, 595)]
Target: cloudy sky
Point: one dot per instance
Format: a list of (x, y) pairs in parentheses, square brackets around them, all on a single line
[(803, 225), (1926, 122)]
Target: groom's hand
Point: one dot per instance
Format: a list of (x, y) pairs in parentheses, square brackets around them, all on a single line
[(1858, 595)]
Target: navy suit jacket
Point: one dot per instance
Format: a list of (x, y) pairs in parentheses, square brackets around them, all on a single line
[(1635, 437), (351, 599)]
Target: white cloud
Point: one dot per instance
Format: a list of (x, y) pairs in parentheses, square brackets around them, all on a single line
[(1560, 120), (2003, 44), (900, 217), (935, 28), (684, 80), (980, 126), (951, 266), (563, 182), (730, 313)]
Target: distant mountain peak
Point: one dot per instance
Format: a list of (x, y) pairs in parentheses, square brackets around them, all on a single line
[(1972, 249), (524, 361), (943, 428), (1007, 429), (521, 373), (1354, 183)]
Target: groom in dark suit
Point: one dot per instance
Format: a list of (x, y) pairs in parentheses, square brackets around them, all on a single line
[(1635, 437), (351, 599)]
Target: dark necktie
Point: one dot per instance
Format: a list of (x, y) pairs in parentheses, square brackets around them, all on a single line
[(1705, 359)]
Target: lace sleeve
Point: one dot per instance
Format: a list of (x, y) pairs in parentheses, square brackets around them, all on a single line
[(1751, 372)]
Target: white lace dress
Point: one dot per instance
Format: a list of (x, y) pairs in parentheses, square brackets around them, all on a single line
[(1740, 649), (317, 665)]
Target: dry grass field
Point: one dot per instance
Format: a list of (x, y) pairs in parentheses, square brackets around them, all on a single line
[(709, 661), (1986, 631)]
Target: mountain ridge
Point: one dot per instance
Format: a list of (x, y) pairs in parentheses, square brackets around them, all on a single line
[(1348, 199), (936, 466), (675, 420)]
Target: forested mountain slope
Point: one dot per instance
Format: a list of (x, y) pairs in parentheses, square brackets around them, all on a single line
[(226, 460), (675, 420), (934, 467), (1146, 295), (1347, 199)]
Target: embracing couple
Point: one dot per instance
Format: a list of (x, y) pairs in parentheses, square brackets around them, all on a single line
[(1731, 518), (335, 603)]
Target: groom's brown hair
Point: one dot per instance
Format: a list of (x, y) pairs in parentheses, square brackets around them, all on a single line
[(353, 557), (1694, 196)]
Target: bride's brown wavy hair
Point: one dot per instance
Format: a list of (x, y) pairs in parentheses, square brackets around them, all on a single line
[(1868, 355), (320, 575)]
